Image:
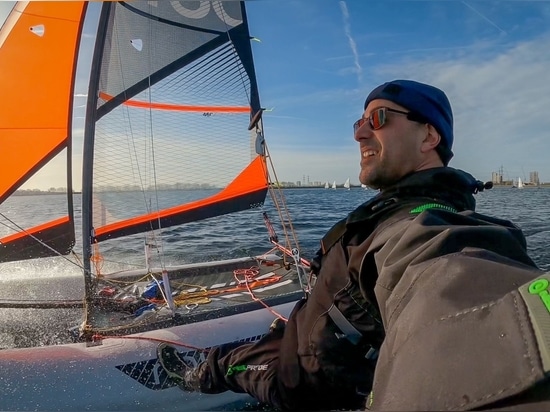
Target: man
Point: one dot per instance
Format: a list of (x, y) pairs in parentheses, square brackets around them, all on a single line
[(466, 312), (413, 277)]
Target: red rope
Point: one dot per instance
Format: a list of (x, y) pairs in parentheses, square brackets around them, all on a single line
[(250, 275)]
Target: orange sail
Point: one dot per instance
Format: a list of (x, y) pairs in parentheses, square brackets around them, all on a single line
[(38, 50)]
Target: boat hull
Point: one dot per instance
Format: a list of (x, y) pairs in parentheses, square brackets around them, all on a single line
[(122, 373)]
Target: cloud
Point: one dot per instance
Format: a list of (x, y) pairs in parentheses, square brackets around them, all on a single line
[(352, 44), (492, 23), (499, 94)]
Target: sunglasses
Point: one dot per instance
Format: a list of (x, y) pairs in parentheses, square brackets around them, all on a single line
[(378, 118)]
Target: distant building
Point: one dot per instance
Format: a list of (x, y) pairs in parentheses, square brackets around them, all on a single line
[(496, 178), (534, 178)]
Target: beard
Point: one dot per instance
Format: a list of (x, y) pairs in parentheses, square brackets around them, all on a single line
[(379, 176)]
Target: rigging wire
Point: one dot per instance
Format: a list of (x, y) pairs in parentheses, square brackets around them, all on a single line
[(23, 230), (277, 196), (159, 243)]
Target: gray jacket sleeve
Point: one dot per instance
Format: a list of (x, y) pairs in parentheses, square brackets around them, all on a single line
[(459, 332)]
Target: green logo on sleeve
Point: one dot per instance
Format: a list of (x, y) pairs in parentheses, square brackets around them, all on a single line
[(540, 287), (237, 368), (241, 368), (536, 297)]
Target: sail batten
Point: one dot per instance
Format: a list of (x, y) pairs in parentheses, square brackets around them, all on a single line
[(179, 107)]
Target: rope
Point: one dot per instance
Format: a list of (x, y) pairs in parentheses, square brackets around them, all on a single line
[(275, 189), (244, 277), (97, 259), (249, 275)]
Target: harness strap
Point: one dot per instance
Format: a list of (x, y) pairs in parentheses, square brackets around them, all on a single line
[(349, 331)]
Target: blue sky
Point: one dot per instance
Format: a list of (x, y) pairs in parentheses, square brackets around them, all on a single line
[(318, 59), (323, 57)]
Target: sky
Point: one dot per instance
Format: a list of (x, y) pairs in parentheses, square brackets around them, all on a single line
[(317, 60)]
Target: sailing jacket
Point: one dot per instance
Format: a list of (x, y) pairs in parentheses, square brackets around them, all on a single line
[(420, 303), (466, 315), (417, 276)]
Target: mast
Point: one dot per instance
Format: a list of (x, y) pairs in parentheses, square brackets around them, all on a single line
[(87, 164)]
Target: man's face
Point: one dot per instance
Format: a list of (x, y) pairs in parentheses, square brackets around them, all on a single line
[(392, 151)]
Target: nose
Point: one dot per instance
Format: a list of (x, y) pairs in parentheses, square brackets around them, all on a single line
[(363, 132)]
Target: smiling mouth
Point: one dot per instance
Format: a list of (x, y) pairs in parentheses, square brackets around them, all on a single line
[(369, 153)]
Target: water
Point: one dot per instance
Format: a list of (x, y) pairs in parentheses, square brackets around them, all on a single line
[(313, 212)]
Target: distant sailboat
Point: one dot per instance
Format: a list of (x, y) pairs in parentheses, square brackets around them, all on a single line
[(334, 185), (327, 185), (520, 183), (364, 186), (346, 184)]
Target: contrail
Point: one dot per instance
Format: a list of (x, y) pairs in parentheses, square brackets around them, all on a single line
[(484, 18), (352, 44)]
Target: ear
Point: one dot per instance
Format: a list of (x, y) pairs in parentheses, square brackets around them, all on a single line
[(431, 139)]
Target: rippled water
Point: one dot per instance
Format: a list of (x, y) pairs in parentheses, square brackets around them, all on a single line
[(313, 212)]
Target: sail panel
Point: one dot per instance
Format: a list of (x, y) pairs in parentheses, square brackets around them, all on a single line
[(38, 50), (248, 190), (174, 101), (169, 35), (36, 85), (49, 239)]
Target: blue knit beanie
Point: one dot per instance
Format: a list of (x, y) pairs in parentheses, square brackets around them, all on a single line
[(427, 102)]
